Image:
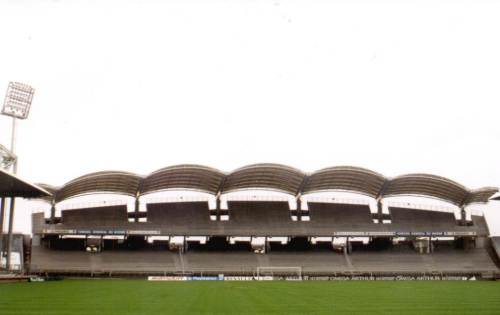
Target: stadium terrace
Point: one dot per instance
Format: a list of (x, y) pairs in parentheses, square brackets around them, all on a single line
[(259, 220)]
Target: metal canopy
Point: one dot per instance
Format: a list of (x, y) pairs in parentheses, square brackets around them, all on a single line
[(427, 185), (274, 177), (345, 178), (187, 176), (13, 186), (267, 176), (481, 195), (101, 182)]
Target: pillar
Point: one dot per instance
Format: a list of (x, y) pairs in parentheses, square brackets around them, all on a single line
[(380, 210), (463, 217), (299, 209), (2, 215), (9, 235), (136, 209), (217, 208), (53, 213)]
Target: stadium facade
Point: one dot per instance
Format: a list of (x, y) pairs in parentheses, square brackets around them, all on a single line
[(261, 219)]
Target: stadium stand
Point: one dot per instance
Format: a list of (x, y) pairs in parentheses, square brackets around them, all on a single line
[(237, 262), (321, 238)]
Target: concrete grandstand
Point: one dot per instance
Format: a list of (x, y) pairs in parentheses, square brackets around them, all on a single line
[(191, 219)]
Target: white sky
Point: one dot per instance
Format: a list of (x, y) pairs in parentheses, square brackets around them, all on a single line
[(394, 86)]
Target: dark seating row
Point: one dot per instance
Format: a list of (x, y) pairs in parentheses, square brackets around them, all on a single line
[(262, 218)]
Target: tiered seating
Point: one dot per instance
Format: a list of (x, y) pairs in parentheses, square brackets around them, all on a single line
[(422, 220), (238, 262), (183, 218), (126, 261), (95, 217), (260, 219), (328, 217), (476, 260), (432, 221)]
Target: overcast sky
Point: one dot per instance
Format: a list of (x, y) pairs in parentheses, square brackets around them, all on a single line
[(394, 86)]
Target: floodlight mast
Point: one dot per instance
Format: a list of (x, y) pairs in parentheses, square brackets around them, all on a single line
[(17, 105), (13, 144)]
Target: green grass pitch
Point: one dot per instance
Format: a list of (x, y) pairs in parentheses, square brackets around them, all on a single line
[(123, 297)]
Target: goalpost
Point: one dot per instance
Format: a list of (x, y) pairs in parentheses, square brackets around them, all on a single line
[(289, 273)]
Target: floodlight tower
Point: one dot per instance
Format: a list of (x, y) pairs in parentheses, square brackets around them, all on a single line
[(17, 105)]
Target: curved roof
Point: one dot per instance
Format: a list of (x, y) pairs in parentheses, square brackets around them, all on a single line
[(267, 176), (345, 178), (195, 177), (101, 182), (426, 185), (51, 189), (481, 195), (275, 177)]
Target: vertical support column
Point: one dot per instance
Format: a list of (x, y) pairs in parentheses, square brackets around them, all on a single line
[(136, 209), (2, 217), (380, 210), (53, 212), (299, 208), (217, 207), (2, 214), (463, 216), (9, 236)]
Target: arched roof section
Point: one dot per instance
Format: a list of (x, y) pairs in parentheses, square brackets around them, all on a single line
[(265, 176), (481, 195), (426, 185), (345, 178), (187, 176), (101, 182), (51, 189)]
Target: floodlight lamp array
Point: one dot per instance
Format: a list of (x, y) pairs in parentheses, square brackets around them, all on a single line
[(18, 100)]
